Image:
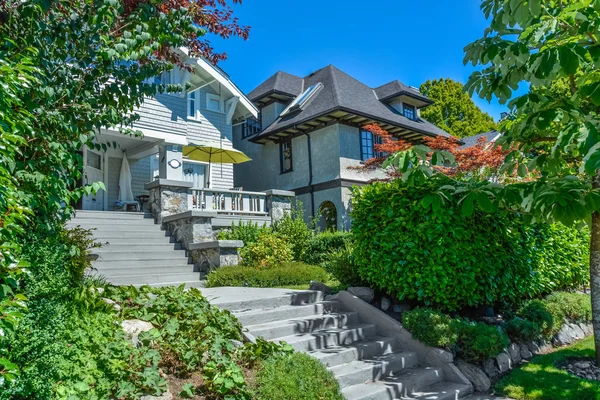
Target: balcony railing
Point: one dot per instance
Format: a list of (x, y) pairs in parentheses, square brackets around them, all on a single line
[(229, 201)]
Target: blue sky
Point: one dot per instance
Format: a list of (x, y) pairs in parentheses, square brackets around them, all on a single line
[(375, 42)]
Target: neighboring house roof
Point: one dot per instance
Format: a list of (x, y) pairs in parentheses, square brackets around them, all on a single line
[(470, 141), (281, 83), (341, 96)]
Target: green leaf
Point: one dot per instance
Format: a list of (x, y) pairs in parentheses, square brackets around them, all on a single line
[(569, 61), (535, 6)]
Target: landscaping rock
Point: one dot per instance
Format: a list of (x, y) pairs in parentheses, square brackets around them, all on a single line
[(504, 362), (385, 303), (525, 352), (587, 329), (514, 350), (133, 327), (583, 368), (237, 344), (165, 396), (116, 307), (577, 331), (565, 336), (490, 369), (475, 375), (364, 293), (400, 308), (321, 287)]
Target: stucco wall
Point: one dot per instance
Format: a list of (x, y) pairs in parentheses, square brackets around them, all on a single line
[(270, 113), (350, 156)]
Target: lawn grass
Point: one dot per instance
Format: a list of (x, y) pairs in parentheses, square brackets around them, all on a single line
[(540, 379)]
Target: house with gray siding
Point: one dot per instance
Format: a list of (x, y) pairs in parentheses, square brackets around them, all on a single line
[(204, 114), (309, 135)]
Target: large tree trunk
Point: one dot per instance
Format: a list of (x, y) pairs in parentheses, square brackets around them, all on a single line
[(595, 272)]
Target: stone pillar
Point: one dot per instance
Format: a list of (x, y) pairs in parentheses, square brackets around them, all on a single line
[(279, 202), (170, 162), (212, 255), (168, 197), (193, 226)]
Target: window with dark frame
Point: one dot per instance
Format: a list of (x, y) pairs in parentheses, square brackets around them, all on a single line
[(252, 126), (367, 145), (285, 155), (410, 111)]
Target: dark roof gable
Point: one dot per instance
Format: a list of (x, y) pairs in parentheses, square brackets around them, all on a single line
[(343, 93), (396, 88)]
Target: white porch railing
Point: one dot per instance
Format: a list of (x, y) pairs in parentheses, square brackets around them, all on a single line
[(229, 201)]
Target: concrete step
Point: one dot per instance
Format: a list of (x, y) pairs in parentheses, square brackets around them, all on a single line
[(376, 346), (137, 248), (128, 241), (401, 386), (292, 298), (96, 215), (115, 223), (136, 235), (372, 369), (164, 270), (329, 337), (443, 391), (142, 256), (167, 263), (153, 278), (261, 316), (187, 284), (304, 325)]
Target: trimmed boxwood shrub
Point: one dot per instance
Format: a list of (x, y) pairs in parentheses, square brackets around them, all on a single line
[(296, 376), (472, 341), (450, 261), (281, 275), (322, 244)]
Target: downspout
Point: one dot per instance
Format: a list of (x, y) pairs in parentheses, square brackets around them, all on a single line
[(310, 180)]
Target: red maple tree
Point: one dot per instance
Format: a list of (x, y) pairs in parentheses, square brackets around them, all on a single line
[(482, 159)]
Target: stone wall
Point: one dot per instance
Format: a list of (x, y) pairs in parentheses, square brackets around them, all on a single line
[(167, 198), (190, 227)]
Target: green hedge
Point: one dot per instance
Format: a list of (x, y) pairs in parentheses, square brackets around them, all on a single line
[(446, 260), (472, 341), (322, 244), (282, 275), (297, 376)]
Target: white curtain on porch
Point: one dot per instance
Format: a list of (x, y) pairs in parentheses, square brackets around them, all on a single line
[(125, 193)]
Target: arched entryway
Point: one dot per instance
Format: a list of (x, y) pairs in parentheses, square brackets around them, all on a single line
[(328, 220)]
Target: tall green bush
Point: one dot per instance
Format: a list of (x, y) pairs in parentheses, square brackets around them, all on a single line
[(268, 251), (248, 232), (294, 231), (322, 244), (447, 260)]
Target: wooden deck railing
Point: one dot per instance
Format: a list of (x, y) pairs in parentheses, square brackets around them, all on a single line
[(229, 201)]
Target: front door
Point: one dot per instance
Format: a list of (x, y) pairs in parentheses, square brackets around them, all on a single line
[(93, 172)]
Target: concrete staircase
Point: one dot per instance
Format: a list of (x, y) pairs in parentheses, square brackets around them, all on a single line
[(366, 364), (135, 251)]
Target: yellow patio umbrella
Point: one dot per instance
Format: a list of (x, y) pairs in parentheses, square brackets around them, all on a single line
[(213, 152)]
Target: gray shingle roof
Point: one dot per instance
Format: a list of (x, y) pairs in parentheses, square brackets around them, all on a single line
[(281, 82), (397, 88), (340, 92), (471, 141)]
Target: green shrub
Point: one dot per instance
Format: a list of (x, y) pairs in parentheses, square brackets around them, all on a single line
[(538, 312), (478, 341), (290, 274), (322, 244), (431, 327), (472, 341), (296, 376), (294, 231), (450, 261), (269, 250), (247, 232), (573, 306), (342, 265), (522, 330)]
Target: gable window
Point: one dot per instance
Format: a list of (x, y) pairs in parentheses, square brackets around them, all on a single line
[(251, 127), (300, 101), (410, 111), (367, 146), (214, 103), (192, 101), (285, 156)]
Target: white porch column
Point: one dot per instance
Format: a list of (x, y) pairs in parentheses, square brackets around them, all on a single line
[(170, 160)]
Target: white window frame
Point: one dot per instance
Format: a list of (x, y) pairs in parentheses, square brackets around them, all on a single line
[(209, 97), (196, 115)]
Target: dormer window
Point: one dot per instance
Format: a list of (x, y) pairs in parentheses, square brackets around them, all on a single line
[(300, 101), (410, 111), (251, 127)]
